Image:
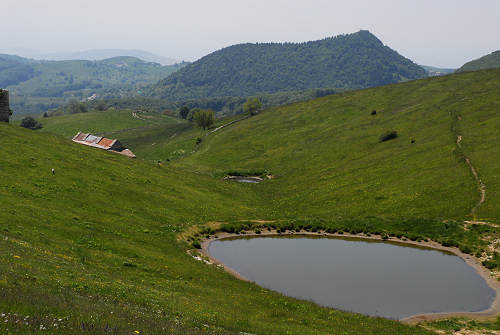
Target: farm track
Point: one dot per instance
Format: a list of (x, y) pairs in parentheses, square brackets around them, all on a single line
[(481, 185), (226, 125)]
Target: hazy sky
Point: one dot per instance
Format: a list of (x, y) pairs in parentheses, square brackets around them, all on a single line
[(443, 33)]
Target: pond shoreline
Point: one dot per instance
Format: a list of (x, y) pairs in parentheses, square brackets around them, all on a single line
[(490, 313)]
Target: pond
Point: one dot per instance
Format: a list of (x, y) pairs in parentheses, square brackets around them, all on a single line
[(375, 278), (252, 180)]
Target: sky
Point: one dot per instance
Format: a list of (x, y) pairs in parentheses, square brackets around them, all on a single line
[(444, 33)]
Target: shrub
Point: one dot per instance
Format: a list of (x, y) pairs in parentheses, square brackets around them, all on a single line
[(489, 264), (196, 244), (30, 123), (184, 112), (198, 140), (465, 249), (388, 135), (129, 265)]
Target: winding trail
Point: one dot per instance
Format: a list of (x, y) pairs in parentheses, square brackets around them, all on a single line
[(481, 185), (136, 115), (227, 124)]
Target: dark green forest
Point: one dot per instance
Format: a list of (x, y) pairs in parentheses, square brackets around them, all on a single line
[(350, 61)]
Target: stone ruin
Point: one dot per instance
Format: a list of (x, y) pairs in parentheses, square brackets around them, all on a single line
[(4, 106)]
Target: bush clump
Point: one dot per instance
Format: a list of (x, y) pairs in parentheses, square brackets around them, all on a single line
[(196, 244), (30, 123), (388, 135)]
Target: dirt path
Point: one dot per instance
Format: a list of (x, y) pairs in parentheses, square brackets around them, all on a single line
[(227, 124), (135, 115), (481, 185)]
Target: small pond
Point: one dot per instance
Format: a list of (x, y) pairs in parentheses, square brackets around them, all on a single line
[(252, 180), (369, 277)]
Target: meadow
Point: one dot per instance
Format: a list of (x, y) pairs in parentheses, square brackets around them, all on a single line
[(100, 245), (105, 122)]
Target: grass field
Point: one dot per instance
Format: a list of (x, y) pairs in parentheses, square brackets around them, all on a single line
[(329, 162), (105, 122), (97, 244)]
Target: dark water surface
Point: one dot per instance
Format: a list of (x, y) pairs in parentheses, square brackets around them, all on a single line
[(373, 278)]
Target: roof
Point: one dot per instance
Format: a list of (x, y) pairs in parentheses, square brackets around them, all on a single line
[(80, 136), (106, 142), (102, 143), (93, 139)]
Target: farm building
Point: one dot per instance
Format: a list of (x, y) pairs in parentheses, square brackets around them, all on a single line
[(102, 143)]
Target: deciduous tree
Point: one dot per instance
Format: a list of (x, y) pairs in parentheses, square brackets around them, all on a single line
[(204, 118), (252, 106)]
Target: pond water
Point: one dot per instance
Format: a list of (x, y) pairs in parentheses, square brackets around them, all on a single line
[(374, 278), (253, 180)]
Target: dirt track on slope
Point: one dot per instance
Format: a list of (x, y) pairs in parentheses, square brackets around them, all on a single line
[(481, 185)]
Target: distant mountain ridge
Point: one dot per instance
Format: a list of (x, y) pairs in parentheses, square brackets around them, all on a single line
[(101, 54), (490, 61), (351, 61), (37, 86), (93, 55)]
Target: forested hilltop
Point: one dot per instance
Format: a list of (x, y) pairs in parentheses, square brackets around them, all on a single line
[(351, 61), (490, 61), (37, 86)]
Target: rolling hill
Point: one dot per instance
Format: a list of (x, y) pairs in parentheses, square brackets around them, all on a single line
[(490, 61), (104, 234), (101, 54), (38, 86), (352, 61)]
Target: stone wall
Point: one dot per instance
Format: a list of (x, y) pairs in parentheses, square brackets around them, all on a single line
[(4, 106)]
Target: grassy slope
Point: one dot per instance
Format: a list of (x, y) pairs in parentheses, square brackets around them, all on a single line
[(105, 122), (490, 61), (101, 234), (329, 162), (156, 137), (96, 246), (168, 142)]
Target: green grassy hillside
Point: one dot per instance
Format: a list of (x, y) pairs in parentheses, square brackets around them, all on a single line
[(97, 244), (329, 162), (105, 122), (94, 249), (490, 61)]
